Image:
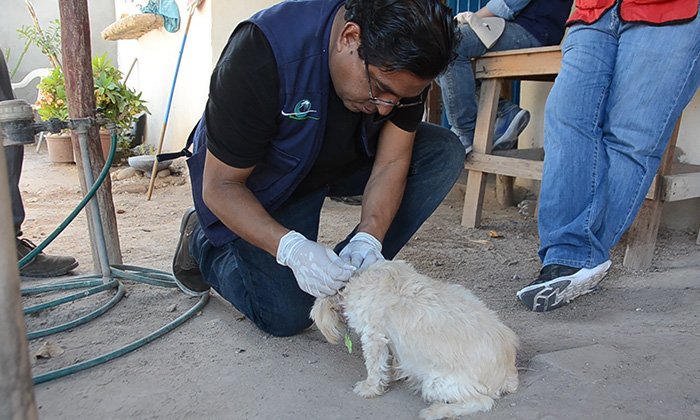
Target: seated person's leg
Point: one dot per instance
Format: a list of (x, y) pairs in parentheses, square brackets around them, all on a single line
[(460, 89)]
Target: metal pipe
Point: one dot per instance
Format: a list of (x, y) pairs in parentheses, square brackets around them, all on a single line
[(81, 127), (16, 386)]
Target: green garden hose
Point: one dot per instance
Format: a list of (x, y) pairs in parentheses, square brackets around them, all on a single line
[(127, 272)]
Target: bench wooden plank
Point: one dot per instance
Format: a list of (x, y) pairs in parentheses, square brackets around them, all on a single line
[(519, 168), (525, 64), (681, 187)]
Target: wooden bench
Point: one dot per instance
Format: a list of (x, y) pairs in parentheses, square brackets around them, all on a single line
[(673, 182)]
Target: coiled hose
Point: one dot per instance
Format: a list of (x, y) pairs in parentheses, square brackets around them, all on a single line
[(95, 285)]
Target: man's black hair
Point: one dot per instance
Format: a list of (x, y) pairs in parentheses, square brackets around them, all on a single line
[(419, 36)]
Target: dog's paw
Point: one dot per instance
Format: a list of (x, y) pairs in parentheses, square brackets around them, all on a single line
[(368, 390), (429, 414), (438, 412)]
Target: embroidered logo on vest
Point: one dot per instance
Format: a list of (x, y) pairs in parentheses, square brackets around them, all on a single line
[(301, 111)]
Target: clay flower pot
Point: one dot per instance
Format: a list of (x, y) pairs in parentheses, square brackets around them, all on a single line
[(60, 148), (106, 140)]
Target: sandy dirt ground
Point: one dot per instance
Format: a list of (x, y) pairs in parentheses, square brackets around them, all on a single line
[(628, 351)]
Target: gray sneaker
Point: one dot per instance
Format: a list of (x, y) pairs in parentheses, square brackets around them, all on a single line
[(185, 270), (43, 265), (558, 285)]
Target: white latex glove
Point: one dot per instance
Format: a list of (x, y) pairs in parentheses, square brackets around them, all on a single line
[(362, 251), (317, 269)]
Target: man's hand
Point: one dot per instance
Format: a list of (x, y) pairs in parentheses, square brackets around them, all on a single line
[(362, 251), (317, 269)]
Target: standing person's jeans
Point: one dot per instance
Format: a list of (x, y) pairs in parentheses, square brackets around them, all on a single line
[(14, 156), (267, 293), (458, 85), (608, 120)]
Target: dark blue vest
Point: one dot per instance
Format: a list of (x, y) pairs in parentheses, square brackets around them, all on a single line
[(298, 32)]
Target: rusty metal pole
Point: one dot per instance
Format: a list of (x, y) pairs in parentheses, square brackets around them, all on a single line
[(77, 69), (16, 386)]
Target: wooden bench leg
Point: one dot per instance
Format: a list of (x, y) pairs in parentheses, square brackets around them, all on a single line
[(641, 238), (474, 199), (483, 137), (504, 190)]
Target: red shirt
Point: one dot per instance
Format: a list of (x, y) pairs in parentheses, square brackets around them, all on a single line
[(648, 11)]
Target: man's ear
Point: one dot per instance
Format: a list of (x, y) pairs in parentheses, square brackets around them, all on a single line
[(349, 37)]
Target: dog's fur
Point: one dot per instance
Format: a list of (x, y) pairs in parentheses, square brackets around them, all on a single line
[(443, 340)]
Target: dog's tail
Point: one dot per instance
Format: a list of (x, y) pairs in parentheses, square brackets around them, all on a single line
[(326, 314), (438, 411)]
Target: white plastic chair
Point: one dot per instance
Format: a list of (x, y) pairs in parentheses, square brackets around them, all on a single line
[(36, 73), (41, 72)]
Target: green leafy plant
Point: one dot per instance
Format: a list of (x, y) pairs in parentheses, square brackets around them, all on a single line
[(52, 99), (48, 41), (114, 99)]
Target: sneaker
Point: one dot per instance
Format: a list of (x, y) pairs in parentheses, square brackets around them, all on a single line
[(468, 143), (557, 285), (467, 140), (185, 270), (508, 128), (43, 265)]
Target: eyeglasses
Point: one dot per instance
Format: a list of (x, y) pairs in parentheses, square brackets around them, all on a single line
[(384, 102)]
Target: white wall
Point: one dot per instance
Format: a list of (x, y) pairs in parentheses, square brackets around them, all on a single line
[(14, 14), (157, 53)]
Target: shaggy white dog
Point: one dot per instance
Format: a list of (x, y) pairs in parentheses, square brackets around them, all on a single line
[(443, 340)]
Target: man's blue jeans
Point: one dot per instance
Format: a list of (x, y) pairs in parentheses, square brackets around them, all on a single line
[(608, 119), (459, 88), (267, 293)]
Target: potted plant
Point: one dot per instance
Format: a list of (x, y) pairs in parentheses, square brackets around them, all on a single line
[(52, 104), (117, 101), (113, 98)]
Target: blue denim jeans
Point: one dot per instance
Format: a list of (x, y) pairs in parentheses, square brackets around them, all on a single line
[(14, 156), (267, 293), (458, 85), (608, 119)]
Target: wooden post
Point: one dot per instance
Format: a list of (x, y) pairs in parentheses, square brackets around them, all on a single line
[(77, 69), (16, 386)]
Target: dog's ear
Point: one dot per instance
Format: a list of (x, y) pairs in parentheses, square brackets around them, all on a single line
[(326, 314)]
